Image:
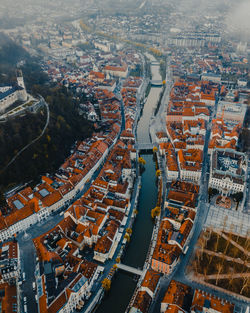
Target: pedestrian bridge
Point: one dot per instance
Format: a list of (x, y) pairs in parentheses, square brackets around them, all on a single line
[(155, 63), (144, 146), (130, 269), (156, 83)]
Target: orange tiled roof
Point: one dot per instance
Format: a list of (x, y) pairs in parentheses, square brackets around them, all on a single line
[(214, 303), (151, 280)]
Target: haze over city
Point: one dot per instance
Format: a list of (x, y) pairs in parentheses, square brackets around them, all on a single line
[(124, 156)]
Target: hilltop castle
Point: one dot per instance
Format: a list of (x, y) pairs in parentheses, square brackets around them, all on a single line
[(9, 94)]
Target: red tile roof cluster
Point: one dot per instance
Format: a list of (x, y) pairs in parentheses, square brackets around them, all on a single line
[(92, 221), (129, 97), (146, 292), (188, 99), (175, 226), (204, 301), (176, 298), (188, 134), (142, 301), (98, 76), (116, 68), (190, 159), (151, 280), (182, 298), (171, 160), (72, 171), (224, 134), (132, 82), (18, 214)]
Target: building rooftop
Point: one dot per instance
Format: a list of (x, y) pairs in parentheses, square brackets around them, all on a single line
[(204, 301)]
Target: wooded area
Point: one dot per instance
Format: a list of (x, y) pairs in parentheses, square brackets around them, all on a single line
[(65, 126)]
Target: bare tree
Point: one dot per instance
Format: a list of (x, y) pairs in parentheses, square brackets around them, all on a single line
[(217, 241), (247, 242), (246, 283), (230, 282), (219, 267), (210, 259)]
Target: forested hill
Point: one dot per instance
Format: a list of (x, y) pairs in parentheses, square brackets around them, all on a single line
[(12, 54), (65, 126)]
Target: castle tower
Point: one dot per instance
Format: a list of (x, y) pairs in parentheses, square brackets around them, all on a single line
[(20, 82)]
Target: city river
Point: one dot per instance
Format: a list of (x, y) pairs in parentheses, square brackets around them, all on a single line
[(124, 284), (151, 103)]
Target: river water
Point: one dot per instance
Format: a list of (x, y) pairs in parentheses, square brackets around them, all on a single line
[(123, 285), (151, 103)]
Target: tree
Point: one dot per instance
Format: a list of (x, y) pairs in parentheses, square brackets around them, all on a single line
[(247, 241), (205, 269), (127, 237), (141, 161), (219, 268), (237, 198), (155, 212), (2, 199), (129, 231), (106, 284), (217, 241), (158, 173), (118, 260), (195, 263), (228, 242), (210, 257), (246, 283), (212, 192)]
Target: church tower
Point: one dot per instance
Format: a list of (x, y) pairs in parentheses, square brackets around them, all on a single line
[(20, 83)]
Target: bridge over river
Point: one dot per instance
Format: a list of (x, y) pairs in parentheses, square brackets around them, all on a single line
[(130, 269), (145, 146)]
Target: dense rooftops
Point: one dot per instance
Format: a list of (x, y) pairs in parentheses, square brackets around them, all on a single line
[(175, 226), (182, 298)]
